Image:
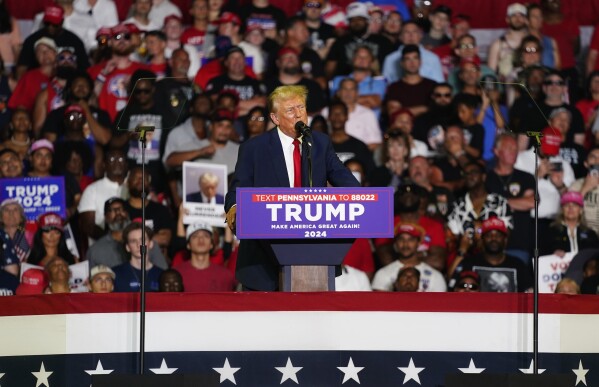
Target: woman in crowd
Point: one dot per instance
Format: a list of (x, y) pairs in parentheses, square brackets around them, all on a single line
[(569, 232), (49, 241)]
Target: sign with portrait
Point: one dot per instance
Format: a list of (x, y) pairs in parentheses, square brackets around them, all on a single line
[(204, 190)]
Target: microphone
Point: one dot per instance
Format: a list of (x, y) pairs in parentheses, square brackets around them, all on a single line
[(303, 129)]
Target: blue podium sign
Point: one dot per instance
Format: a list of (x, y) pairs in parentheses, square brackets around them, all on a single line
[(321, 213), (37, 195)]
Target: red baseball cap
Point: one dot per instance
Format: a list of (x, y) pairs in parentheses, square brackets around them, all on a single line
[(33, 281), (409, 228), (53, 14), (494, 223)]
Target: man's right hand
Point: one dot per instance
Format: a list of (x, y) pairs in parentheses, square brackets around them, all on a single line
[(231, 217)]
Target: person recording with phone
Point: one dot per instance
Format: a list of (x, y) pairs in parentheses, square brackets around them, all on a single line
[(279, 158)]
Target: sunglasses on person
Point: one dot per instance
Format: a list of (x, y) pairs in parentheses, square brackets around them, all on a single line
[(122, 36), (313, 4), (143, 91), (466, 285), (554, 83)]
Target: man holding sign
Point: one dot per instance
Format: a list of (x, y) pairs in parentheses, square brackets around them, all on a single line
[(278, 158)]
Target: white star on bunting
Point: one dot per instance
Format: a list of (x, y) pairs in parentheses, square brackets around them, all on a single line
[(580, 374), (411, 372), (227, 372), (42, 376), (289, 371), (471, 368), (530, 370), (163, 370), (350, 372)]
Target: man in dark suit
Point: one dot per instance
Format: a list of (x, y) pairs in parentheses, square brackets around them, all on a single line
[(267, 161), (207, 194)]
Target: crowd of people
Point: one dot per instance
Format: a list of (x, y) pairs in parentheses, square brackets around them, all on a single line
[(401, 91)]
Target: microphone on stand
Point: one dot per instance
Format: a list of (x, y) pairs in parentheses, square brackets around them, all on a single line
[(305, 131)]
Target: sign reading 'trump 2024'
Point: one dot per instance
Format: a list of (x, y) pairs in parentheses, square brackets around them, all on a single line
[(297, 213)]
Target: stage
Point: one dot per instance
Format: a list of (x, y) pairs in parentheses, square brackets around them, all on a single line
[(310, 339)]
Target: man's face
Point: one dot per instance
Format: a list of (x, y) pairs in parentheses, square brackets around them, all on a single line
[(102, 283), (80, 89), (235, 64), (337, 117), (312, 9), (41, 160), (419, 170), (406, 245), (507, 151), (410, 63), (11, 165), (289, 64), (11, 215), (494, 242), (517, 22), (208, 188), (171, 282), (592, 158), (180, 62), (554, 86), (439, 21), (561, 121), (116, 164), (442, 96), (133, 243), (116, 216), (58, 271), (392, 24), (221, 131), (143, 7), (358, 25), (134, 183), (411, 34), (199, 10), (473, 176), (299, 32), (143, 92), (288, 113), (200, 242), (407, 281), (155, 45), (45, 55)]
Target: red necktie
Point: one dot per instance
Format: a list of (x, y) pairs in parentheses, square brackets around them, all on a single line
[(297, 164)]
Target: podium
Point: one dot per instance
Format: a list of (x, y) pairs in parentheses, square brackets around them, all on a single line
[(311, 229)]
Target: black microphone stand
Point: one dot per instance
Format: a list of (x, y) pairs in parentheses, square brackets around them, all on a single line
[(536, 137), (142, 130)]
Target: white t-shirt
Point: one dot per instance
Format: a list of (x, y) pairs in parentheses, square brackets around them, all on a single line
[(431, 280)]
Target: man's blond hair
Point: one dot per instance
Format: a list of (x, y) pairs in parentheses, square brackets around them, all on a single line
[(283, 93)]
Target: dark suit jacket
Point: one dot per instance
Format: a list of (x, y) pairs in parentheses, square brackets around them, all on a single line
[(261, 163), (196, 197)]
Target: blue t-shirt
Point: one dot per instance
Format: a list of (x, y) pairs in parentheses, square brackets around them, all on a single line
[(128, 278)]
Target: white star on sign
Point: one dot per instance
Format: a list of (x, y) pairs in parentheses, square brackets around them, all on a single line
[(471, 368), (99, 370), (42, 376), (350, 372), (227, 372), (411, 372), (530, 370), (580, 374), (163, 370), (289, 371)]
